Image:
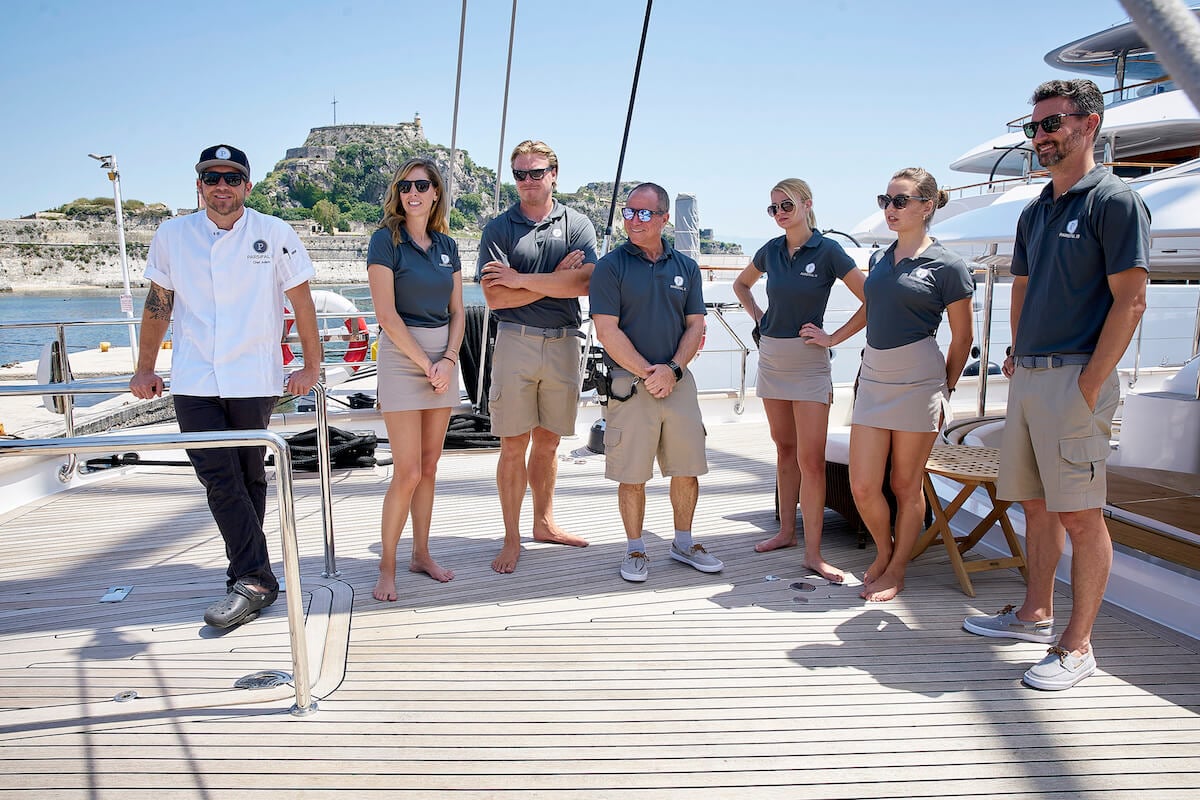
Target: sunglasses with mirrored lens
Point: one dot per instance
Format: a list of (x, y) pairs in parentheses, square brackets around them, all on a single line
[(231, 178), (787, 207), (534, 174), (407, 186), (899, 201), (643, 214), (1049, 124)]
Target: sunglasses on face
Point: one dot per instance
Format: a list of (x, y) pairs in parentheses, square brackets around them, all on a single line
[(230, 178), (421, 186), (787, 207), (643, 214), (531, 174), (899, 201), (1049, 124)]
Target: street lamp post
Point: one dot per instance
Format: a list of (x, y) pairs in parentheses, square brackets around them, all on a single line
[(109, 163)]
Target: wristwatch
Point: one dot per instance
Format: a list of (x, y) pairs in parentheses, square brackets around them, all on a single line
[(678, 370)]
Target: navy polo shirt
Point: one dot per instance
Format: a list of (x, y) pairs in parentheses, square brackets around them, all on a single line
[(905, 301), (798, 285), (1068, 247), (423, 280), (650, 300), (537, 247)]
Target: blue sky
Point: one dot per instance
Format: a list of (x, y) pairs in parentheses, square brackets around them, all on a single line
[(734, 95)]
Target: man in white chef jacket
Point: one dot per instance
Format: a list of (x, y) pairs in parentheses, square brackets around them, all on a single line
[(223, 273)]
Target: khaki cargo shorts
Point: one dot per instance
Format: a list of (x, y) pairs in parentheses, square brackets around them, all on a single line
[(535, 381), (643, 428), (1053, 445)]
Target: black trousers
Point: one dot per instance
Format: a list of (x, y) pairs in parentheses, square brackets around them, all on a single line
[(235, 480)]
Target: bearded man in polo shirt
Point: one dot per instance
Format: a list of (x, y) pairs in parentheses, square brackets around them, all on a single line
[(1083, 245), (223, 273)]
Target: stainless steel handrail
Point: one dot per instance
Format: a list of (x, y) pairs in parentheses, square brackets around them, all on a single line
[(740, 405), (305, 705), (324, 467)]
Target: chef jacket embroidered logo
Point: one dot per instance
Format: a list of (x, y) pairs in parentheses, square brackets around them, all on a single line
[(260, 246), (1070, 233), (223, 152)]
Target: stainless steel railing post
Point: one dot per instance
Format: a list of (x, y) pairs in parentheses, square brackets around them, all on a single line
[(324, 469)]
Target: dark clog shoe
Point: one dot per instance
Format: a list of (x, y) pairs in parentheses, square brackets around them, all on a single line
[(240, 605)]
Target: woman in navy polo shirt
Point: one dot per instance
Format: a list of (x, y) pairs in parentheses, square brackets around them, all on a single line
[(794, 377), (905, 381), (416, 285)]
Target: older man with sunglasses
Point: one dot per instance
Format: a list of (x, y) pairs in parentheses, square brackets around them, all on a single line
[(1079, 289), (224, 272), (648, 308), (535, 261)]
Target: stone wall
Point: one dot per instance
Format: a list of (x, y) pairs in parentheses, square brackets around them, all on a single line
[(45, 255)]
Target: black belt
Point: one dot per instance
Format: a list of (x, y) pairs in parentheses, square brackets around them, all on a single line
[(1052, 361), (545, 333)]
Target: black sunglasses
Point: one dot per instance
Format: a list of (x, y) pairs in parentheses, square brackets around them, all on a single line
[(407, 186), (787, 207), (899, 201), (1049, 124), (644, 214), (231, 178), (536, 174)]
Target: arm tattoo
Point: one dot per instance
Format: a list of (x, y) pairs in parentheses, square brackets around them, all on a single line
[(159, 302)]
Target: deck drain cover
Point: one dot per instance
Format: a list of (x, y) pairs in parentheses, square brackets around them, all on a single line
[(803, 586), (799, 599), (125, 696), (266, 679)]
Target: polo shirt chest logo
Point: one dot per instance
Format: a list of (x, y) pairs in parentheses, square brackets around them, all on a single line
[(678, 283), (810, 269), (445, 259), (1070, 233), (556, 233)]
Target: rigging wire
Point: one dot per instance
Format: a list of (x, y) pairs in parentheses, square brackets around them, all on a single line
[(637, 71)]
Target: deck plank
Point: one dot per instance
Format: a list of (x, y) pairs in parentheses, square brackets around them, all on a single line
[(560, 680)]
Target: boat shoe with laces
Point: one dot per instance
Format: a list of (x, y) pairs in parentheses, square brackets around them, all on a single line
[(1060, 669), (696, 556), (242, 604), (635, 566), (1006, 625)]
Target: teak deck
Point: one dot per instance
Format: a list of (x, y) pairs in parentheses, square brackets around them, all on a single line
[(559, 681)]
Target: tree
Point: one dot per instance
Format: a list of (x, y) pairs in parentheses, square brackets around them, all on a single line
[(326, 215)]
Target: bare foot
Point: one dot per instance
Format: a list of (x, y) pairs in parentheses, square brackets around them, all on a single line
[(385, 589), (779, 541), (506, 562), (884, 588), (552, 534), (877, 568), (825, 570), (430, 568)]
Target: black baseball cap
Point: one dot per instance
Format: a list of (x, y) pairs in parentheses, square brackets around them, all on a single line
[(224, 155)]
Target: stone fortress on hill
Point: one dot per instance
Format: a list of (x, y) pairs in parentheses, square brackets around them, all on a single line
[(330, 189)]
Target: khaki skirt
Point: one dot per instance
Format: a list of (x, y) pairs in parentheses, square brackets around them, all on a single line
[(792, 369), (402, 385), (902, 389)]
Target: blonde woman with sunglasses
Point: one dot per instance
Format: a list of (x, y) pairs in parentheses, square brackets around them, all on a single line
[(905, 381), (415, 277), (795, 382)]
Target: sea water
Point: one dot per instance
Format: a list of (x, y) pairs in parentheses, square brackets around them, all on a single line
[(26, 344)]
